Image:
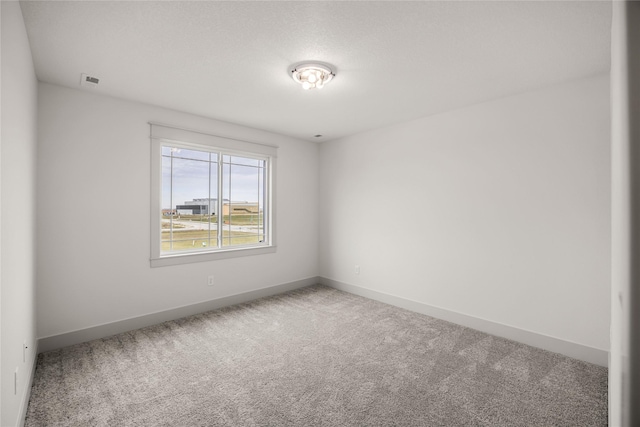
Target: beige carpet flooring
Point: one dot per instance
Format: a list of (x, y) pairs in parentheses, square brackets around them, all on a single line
[(313, 357)]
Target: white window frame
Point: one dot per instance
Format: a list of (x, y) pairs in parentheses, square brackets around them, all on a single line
[(170, 135)]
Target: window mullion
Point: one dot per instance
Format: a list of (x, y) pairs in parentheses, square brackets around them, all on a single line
[(220, 200), (209, 205), (170, 207), (265, 204), (230, 236), (259, 238)]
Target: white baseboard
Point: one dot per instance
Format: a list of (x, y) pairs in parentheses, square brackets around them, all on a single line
[(101, 331), (577, 351), (556, 345), (26, 394)]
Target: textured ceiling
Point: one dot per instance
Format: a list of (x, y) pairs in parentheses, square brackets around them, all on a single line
[(395, 60)]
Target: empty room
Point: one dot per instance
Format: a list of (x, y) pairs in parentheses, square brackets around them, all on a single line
[(319, 213)]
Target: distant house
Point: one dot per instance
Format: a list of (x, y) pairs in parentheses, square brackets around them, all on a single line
[(208, 207), (205, 206), (241, 208)]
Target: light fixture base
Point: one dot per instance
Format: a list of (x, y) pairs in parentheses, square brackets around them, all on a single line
[(312, 75)]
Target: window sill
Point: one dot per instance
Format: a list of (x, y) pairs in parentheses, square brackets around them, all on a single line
[(178, 259)]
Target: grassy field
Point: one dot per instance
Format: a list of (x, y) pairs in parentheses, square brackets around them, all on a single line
[(184, 240), (199, 239), (235, 219)]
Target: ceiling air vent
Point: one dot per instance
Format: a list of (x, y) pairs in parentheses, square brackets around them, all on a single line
[(89, 81)]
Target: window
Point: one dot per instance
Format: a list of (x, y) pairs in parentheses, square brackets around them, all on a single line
[(211, 198)]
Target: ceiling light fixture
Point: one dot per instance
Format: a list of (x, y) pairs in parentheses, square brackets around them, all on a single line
[(312, 75)]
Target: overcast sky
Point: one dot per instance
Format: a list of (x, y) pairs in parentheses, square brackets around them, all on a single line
[(192, 179)]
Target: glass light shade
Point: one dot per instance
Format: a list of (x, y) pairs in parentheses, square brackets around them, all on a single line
[(312, 75)]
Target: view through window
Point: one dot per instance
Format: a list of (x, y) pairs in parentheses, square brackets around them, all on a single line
[(212, 199)]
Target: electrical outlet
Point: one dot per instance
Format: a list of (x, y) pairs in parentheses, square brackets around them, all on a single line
[(210, 281), (357, 269)]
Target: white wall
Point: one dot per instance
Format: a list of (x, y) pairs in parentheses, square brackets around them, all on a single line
[(619, 407), (94, 207), (17, 190), (624, 369), (498, 211)]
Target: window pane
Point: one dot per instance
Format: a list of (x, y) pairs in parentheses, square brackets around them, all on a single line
[(190, 187), (189, 192), (189, 201), (243, 202)]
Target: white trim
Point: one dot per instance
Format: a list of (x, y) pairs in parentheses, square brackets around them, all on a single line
[(26, 394), (190, 257), (54, 342), (156, 198), (577, 351), (556, 345), (160, 134), (175, 133)]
